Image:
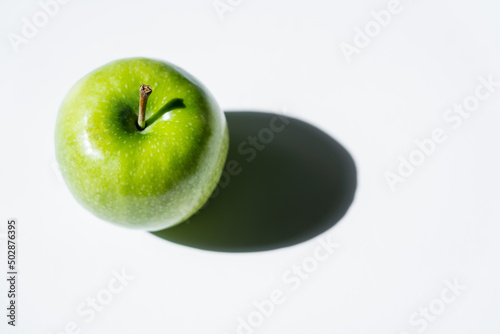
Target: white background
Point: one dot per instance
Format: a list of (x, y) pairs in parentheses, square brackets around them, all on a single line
[(396, 248)]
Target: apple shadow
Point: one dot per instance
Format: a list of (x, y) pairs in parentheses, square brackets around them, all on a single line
[(295, 183)]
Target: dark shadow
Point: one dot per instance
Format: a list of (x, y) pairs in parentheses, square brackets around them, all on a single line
[(293, 184)]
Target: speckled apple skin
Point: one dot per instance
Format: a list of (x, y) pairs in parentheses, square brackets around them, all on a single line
[(150, 179)]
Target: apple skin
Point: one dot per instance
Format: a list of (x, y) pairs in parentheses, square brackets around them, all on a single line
[(150, 179)]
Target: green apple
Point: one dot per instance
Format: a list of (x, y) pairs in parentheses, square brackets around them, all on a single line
[(144, 157)]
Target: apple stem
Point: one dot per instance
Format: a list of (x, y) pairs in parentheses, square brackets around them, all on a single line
[(145, 91)]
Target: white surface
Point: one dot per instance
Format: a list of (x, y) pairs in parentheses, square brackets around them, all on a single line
[(396, 248)]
